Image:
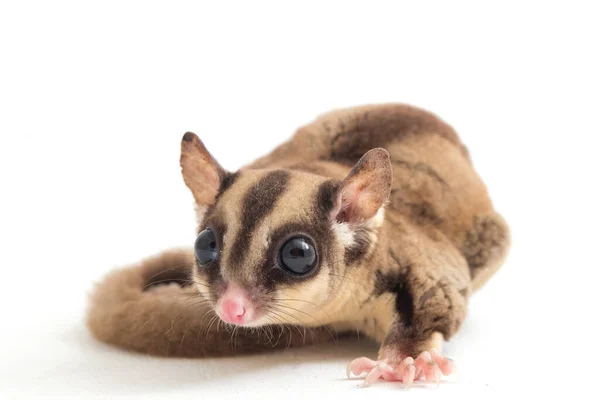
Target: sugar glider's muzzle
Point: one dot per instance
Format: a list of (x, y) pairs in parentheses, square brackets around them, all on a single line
[(235, 307)]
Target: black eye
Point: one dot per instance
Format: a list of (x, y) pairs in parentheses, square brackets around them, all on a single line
[(298, 256), (205, 247)]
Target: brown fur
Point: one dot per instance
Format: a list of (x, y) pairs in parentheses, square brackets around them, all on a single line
[(403, 225), (133, 308)]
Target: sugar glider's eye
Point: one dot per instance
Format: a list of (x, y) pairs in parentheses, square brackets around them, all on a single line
[(298, 256), (205, 247)]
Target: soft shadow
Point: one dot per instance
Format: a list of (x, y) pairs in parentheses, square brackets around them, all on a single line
[(108, 370)]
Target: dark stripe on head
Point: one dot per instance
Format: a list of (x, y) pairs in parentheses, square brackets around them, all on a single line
[(326, 196), (323, 205), (257, 204), (226, 181)]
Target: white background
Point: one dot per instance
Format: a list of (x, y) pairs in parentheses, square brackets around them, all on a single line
[(94, 99)]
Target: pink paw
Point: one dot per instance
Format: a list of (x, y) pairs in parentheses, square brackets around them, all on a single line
[(429, 364)]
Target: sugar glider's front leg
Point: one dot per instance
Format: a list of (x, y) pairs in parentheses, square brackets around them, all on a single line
[(394, 364), (429, 305)]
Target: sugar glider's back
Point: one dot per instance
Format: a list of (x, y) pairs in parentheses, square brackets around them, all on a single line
[(434, 183)]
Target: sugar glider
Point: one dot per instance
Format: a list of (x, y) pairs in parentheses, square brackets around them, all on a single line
[(369, 219)]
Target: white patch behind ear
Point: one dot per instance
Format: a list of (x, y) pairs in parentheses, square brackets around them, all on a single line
[(377, 220), (343, 233)]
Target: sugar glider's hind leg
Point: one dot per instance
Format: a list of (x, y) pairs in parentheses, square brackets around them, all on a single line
[(485, 246), (152, 308)]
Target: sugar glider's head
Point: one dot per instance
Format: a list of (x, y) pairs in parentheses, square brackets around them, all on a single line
[(273, 245)]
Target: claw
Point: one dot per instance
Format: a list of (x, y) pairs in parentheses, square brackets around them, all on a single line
[(429, 367), (359, 365), (446, 365), (418, 372), (426, 357), (421, 363), (429, 364), (376, 372), (408, 377), (437, 375), (430, 374)]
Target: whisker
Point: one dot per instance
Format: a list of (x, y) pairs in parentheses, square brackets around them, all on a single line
[(231, 342), (289, 339), (184, 333), (279, 324), (180, 266), (349, 279), (283, 324), (200, 283), (212, 321), (320, 322), (186, 308), (296, 326), (190, 326), (289, 299), (185, 295), (167, 280), (266, 332)]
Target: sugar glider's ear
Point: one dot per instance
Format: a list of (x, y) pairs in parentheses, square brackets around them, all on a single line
[(365, 190), (202, 174)]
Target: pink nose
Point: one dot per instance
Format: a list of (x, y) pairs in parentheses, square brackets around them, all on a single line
[(233, 311), (235, 306)]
